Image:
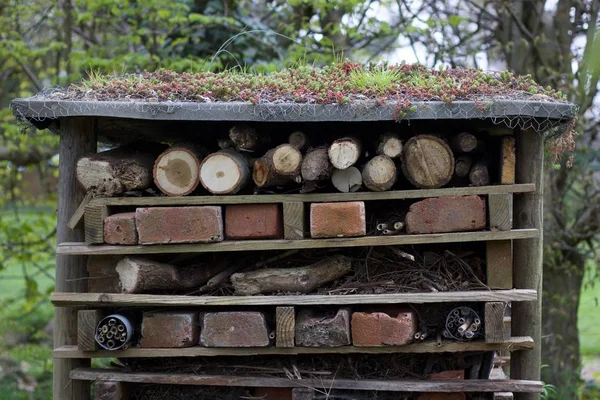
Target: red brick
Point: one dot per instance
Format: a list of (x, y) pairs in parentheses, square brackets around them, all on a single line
[(330, 220), (273, 393), (315, 329), (179, 224), (448, 375), (120, 229), (169, 329), (381, 329), (234, 329), (442, 396), (253, 221), (446, 214)]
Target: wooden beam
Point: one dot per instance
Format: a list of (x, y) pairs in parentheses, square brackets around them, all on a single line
[(527, 256), (510, 344), (507, 160), (312, 197), (87, 321), (472, 385), (254, 245), (126, 300), (293, 220), (494, 322), (94, 222), (77, 138), (500, 209), (78, 215), (499, 264), (285, 320), (503, 396)]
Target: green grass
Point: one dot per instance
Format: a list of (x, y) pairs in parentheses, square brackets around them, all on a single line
[(589, 309)]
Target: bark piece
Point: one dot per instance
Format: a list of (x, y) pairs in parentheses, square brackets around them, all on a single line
[(299, 140), (427, 161), (479, 175), (177, 170), (347, 180), (345, 152), (315, 329), (316, 167), (278, 166), (119, 170), (389, 145), (463, 166), (224, 172), (379, 174), (464, 142), (299, 279)]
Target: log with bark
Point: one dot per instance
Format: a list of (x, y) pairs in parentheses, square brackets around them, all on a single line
[(464, 142), (299, 279), (463, 166), (345, 152), (224, 172), (347, 180), (278, 166), (299, 140), (379, 174), (141, 275), (479, 175), (116, 171), (245, 138), (389, 145), (177, 170), (315, 168), (427, 161)]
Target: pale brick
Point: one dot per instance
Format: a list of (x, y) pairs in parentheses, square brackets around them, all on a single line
[(169, 329), (120, 229), (234, 329), (381, 329), (158, 225), (253, 221), (446, 214), (314, 329), (330, 220)]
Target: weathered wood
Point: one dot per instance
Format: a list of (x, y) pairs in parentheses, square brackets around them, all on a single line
[(176, 171), (278, 166), (344, 152), (285, 321), (110, 390), (299, 140), (494, 322), (508, 161), (464, 142), (293, 220), (78, 214), (102, 275), (526, 319), (479, 175), (112, 300), (87, 321), (346, 180), (224, 172), (313, 197), (299, 279), (500, 208), (389, 145), (503, 396), (315, 168), (94, 222), (499, 264), (511, 344), (427, 161), (379, 174), (463, 166), (303, 394), (278, 244), (78, 138), (473, 385)]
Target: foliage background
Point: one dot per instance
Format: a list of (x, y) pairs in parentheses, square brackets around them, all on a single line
[(43, 44)]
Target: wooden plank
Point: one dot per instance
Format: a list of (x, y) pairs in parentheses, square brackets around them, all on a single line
[(78, 215), (94, 223), (78, 138), (87, 321), (285, 320), (500, 208), (117, 299), (254, 245), (511, 344), (313, 197), (507, 161), (494, 322), (527, 256), (499, 264), (293, 220), (503, 396), (110, 390), (472, 385)]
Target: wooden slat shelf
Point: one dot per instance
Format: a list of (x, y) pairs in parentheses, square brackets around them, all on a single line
[(470, 385), (314, 197), (62, 299), (254, 245), (512, 344)]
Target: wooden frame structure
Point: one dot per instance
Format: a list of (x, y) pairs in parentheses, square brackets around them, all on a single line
[(79, 136)]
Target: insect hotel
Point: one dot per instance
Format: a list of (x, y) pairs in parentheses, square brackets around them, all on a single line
[(298, 236)]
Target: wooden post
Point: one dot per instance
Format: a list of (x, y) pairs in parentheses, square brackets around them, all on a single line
[(527, 258), (494, 322), (499, 264), (78, 137), (285, 319), (94, 222), (87, 321), (293, 220), (500, 208)]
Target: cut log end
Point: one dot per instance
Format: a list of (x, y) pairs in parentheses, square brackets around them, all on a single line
[(464, 142), (298, 139), (463, 166), (278, 166), (379, 174), (344, 153), (427, 161), (287, 160), (316, 166), (244, 137), (177, 171), (347, 180), (479, 175), (224, 172), (389, 145)]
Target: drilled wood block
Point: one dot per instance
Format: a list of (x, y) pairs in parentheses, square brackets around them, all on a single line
[(285, 319), (94, 222), (499, 263), (501, 211), (87, 321), (494, 322), (293, 220)]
